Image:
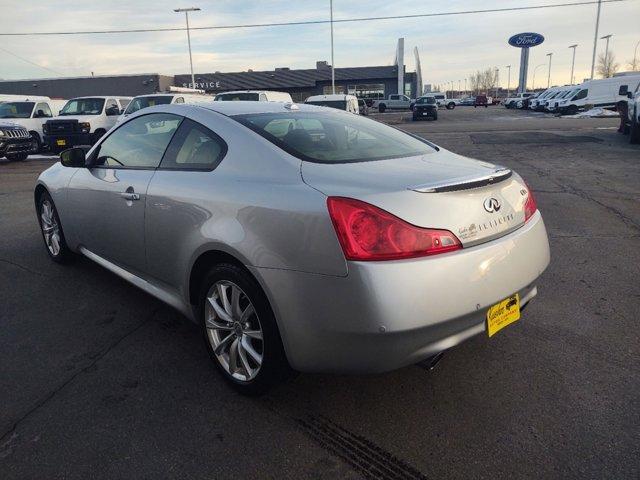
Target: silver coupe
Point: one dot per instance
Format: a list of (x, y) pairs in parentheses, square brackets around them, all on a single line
[(299, 238)]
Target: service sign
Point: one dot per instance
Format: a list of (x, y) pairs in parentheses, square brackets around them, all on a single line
[(526, 40)]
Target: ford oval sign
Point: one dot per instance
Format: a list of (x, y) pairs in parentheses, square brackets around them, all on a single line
[(526, 40)]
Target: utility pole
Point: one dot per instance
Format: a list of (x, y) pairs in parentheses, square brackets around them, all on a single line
[(186, 16), (595, 39), (333, 71), (549, 74), (497, 81), (573, 62), (606, 52), (508, 79)]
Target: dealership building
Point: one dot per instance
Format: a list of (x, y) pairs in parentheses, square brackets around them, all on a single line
[(376, 82)]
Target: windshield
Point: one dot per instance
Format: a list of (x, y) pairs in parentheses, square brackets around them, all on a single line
[(16, 109), (426, 100), (339, 104), (241, 96), (328, 137), (144, 102), (83, 106), (570, 93)]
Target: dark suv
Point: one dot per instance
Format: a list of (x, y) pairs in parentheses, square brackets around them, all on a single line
[(16, 143), (425, 107)]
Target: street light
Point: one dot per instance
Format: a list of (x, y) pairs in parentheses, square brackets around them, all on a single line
[(333, 72), (186, 16), (534, 74), (573, 61), (595, 39), (497, 81), (549, 74), (606, 52), (508, 79)]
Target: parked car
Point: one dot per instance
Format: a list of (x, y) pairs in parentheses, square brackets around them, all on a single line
[(150, 100), (606, 92), (393, 102), (363, 108), (254, 95), (348, 103), (443, 101), (16, 143), (30, 112), (468, 101), (480, 101), (340, 244), (633, 114), (551, 105), (83, 121), (425, 107)]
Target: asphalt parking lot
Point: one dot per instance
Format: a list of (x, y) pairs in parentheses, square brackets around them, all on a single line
[(100, 380)]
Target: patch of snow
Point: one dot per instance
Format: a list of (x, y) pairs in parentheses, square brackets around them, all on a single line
[(597, 112)]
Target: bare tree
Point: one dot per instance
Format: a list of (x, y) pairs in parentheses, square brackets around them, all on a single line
[(607, 66), (488, 80), (634, 64)]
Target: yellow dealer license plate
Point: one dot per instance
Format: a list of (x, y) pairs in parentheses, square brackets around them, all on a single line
[(61, 143), (502, 314)]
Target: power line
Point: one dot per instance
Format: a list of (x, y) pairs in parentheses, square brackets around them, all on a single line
[(312, 22), (29, 61)]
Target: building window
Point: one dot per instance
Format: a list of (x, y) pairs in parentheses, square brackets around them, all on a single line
[(373, 90), (327, 90)]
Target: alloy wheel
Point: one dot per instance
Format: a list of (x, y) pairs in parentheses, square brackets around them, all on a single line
[(50, 228), (234, 330)]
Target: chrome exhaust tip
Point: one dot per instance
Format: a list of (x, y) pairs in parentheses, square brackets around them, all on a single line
[(431, 362)]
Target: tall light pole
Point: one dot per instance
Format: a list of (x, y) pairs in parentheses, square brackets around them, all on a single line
[(333, 71), (534, 74), (508, 79), (573, 62), (459, 87), (549, 74), (635, 54), (497, 81), (606, 52), (465, 86), (186, 16), (595, 39)]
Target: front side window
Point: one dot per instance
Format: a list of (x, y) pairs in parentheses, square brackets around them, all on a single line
[(16, 109), (194, 147), (83, 106), (394, 97), (139, 103), (582, 94), (328, 137), (42, 111), (139, 143)]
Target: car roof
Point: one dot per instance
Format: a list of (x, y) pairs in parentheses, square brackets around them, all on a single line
[(247, 107), (337, 96), (100, 96)]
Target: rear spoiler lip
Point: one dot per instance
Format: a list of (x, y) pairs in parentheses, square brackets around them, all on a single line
[(474, 181)]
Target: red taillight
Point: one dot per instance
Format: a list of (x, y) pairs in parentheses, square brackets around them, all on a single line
[(530, 206), (369, 233)]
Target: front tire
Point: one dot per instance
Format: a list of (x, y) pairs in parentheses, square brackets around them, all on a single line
[(240, 331), (17, 157), (451, 106), (634, 131), (572, 110), (382, 108), (51, 230)]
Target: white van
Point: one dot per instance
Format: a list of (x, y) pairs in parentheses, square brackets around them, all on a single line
[(537, 103), (254, 96), (606, 92), (348, 103), (149, 100), (567, 92), (29, 112), (83, 121)]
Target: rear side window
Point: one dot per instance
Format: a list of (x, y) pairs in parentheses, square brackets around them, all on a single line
[(334, 137), (139, 143), (194, 147)]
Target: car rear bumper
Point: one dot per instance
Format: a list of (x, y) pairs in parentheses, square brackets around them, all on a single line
[(385, 315)]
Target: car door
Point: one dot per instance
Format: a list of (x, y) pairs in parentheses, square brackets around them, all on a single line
[(177, 201), (107, 200)]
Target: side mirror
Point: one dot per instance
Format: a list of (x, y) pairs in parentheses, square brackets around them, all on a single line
[(73, 157), (110, 111), (629, 94)]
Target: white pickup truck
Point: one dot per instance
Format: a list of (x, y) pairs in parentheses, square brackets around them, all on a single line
[(393, 102), (512, 102)]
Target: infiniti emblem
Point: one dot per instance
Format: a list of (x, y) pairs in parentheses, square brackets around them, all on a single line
[(491, 204)]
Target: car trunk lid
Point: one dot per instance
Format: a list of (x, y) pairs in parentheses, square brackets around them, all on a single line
[(477, 201)]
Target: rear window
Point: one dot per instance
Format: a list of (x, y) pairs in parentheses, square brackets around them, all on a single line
[(328, 137), (426, 100)]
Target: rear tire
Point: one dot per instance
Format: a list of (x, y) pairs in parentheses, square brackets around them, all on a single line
[(240, 330), (17, 157), (51, 229), (451, 106), (571, 110)]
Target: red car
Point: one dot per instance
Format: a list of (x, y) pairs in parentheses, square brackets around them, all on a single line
[(481, 100)]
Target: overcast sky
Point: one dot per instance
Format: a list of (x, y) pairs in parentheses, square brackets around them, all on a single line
[(451, 48)]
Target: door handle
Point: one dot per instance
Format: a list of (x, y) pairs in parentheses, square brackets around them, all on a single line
[(130, 196)]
